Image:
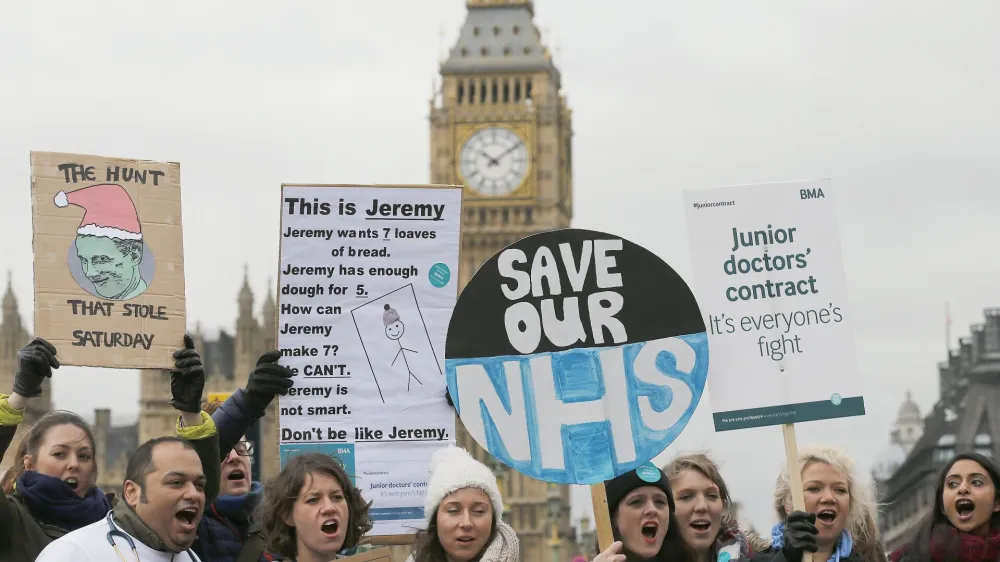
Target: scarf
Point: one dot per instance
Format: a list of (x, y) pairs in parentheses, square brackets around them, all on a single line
[(239, 508), (845, 544), (732, 543), (129, 522), (968, 547), (503, 548), (52, 502)]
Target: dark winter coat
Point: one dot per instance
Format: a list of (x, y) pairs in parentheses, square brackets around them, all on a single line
[(227, 533), (773, 555)]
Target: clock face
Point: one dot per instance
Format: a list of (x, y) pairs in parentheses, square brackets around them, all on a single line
[(494, 161)]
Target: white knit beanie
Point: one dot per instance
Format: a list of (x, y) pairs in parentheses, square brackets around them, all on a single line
[(452, 469)]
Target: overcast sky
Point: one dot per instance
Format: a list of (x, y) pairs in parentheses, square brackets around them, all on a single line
[(895, 101)]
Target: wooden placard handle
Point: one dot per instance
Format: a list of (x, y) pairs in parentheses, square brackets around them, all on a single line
[(795, 477), (602, 517)]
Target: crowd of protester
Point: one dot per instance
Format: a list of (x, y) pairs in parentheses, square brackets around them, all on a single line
[(190, 496)]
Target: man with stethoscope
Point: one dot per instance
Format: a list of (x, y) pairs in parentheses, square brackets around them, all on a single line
[(168, 482)]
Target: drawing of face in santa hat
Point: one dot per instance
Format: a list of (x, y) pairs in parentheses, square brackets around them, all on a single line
[(109, 240), (393, 327)]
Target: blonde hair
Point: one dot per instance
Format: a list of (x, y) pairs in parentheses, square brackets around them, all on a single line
[(702, 463), (861, 515)]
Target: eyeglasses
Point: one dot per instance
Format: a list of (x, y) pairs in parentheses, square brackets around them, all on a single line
[(244, 448)]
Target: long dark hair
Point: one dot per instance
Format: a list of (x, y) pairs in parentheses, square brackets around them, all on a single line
[(282, 492), (936, 528), (673, 549), (427, 545), (32, 441)]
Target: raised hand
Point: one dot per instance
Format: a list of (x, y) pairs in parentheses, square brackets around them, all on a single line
[(800, 535), (35, 362), (268, 380), (612, 554), (187, 379)]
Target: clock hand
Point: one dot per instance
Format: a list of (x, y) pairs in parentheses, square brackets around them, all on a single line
[(508, 151), (492, 161)]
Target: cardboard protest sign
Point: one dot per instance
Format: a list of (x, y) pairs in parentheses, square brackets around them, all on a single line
[(366, 288), (574, 356), (771, 279), (109, 259)]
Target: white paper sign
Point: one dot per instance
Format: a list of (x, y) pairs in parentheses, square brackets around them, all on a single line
[(770, 279), (367, 285)]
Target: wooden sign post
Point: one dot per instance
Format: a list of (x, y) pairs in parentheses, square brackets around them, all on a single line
[(602, 516), (562, 351), (770, 275)]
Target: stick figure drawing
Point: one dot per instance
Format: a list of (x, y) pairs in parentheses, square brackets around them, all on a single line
[(396, 341), (394, 329)]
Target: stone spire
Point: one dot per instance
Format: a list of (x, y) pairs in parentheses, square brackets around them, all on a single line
[(269, 320), (246, 297), (499, 36), (11, 318)]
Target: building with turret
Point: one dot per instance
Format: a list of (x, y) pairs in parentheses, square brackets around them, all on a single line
[(960, 421), (906, 431)]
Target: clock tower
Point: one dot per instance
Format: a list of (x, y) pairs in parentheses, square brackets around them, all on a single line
[(501, 127)]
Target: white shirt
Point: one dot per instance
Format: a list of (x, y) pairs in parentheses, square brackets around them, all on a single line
[(91, 544)]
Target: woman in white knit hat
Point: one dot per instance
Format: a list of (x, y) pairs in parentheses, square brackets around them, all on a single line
[(462, 509)]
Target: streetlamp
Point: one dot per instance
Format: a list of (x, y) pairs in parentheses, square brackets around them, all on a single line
[(586, 536), (554, 501)]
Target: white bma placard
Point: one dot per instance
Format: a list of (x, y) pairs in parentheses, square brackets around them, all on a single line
[(367, 284), (770, 279)]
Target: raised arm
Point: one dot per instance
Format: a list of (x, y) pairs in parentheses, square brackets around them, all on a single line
[(187, 383), (245, 406), (35, 362)]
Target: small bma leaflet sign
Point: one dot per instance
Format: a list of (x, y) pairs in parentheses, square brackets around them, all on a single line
[(574, 356), (771, 279)]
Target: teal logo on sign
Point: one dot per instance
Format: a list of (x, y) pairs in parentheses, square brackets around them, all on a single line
[(439, 275), (836, 399), (648, 473)]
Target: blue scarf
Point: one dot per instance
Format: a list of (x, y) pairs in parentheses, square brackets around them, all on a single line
[(52, 502), (239, 508), (844, 546)]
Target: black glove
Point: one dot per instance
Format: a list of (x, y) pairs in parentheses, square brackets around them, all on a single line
[(35, 362), (447, 396), (800, 535), (187, 379), (267, 381)]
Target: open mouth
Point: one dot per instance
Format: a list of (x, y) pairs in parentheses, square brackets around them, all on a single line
[(72, 482), (186, 517), (330, 527), (236, 475), (701, 525), (827, 516), (965, 508), (649, 530), (466, 539)]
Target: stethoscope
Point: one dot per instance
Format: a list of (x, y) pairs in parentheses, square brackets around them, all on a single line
[(114, 532)]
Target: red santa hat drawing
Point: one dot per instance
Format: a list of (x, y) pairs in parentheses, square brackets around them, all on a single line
[(108, 211)]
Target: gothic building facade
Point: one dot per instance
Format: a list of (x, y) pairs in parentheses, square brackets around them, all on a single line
[(962, 420)]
